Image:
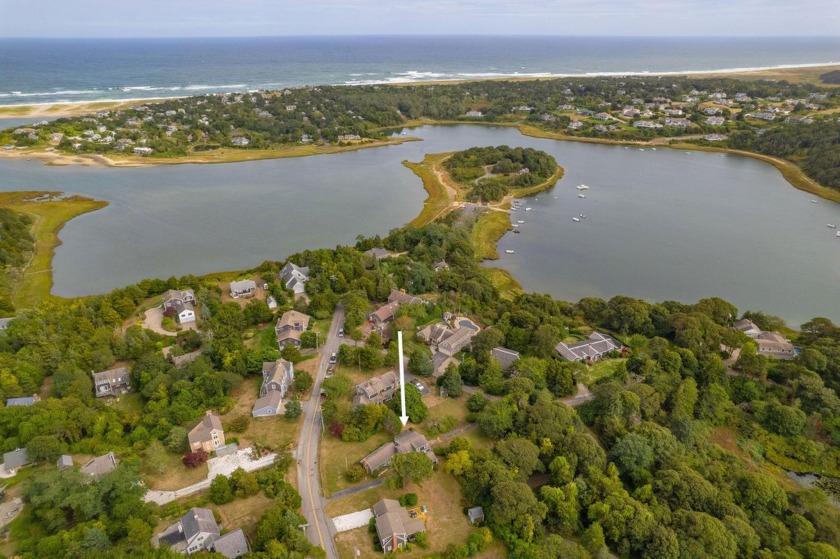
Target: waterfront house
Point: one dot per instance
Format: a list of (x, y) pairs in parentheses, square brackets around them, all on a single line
[(748, 327), (646, 124), (289, 328), (179, 304), (575, 125), (474, 113), (242, 288), (100, 465), (112, 382), (142, 151), (407, 441), (294, 277), (773, 344), (240, 141), (394, 527), (207, 433), (593, 349), (677, 122), (376, 390), (715, 137), (378, 253)]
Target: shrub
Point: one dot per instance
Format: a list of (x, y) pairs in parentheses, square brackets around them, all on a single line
[(422, 539), (239, 424), (355, 473), (293, 409), (409, 500), (195, 459)]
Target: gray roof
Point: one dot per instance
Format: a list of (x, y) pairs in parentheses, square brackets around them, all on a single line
[(475, 513), (232, 545), (505, 357), (378, 253), (272, 399), (201, 432), (242, 286), (27, 401), (100, 465), (64, 462), (198, 520), (4, 322), (392, 519), (16, 459), (179, 360), (597, 345)]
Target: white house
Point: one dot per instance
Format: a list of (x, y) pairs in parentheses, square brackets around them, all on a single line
[(294, 277), (243, 288), (194, 532)]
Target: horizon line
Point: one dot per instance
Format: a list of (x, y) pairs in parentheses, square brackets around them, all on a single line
[(430, 35)]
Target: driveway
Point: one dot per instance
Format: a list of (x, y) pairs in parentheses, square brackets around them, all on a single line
[(224, 465), (153, 318)]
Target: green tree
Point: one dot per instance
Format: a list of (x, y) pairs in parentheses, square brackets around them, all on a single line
[(244, 484), (420, 363), (293, 409), (257, 312), (451, 382), (412, 467), (44, 448), (521, 456), (414, 405), (220, 490), (303, 382), (176, 441), (593, 539)]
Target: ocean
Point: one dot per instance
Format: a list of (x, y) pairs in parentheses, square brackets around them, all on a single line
[(36, 71)]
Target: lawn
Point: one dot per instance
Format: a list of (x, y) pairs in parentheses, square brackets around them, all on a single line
[(336, 455), (243, 513), (272, 432), (601, 369), (175, 475), (445, 521), (50, 216)]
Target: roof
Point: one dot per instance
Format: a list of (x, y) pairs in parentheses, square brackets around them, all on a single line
[(198, 520), (380, 456), (410, 441), (16, 459), (26, 401), (386, 312), (272, 399), (201, 432), (291, 319), (475, 513), (392, 519), (375, 385), (111, 376), (746, 325), (100, 465), (290, 270), (504, 356), (232, 545), (276, 371), (179, 360), (597, 344), (64, 461), (404, 298), (178, 295), (378, 253), (242, 286), (460, 335)]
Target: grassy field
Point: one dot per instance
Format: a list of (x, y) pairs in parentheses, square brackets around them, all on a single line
[(601, 369), (504, 281), (486, 233), (445, 521), (439, 199), (175, 475), (50, 216), (272, 432), (336, 455)]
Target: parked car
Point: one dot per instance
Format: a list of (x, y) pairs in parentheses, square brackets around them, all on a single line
[(341, 332), (333, 358)]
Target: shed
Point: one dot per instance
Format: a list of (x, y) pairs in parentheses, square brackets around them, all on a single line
[(476, 514), (65, 462)]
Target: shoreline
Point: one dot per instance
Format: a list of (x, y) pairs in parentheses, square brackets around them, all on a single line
[(59, 109), (215, 157)]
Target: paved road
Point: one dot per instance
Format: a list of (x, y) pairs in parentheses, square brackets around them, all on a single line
[(320, 529), (357, 488)]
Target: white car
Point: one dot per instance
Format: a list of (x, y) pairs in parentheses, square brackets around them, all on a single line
[(333, 358)]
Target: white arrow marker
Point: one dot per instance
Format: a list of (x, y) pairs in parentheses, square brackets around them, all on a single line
[(403, 417)]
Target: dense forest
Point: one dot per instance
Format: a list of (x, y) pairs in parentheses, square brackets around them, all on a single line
[(490, 172), (618, 109), (16, 245)]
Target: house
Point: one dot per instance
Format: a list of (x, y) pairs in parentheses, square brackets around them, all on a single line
[(240, 141), (196, 531), (474, 113), (384, 314), (602, 116), (475, 514), (277, 379), (593, 349), (715, 121), (112, 382), (271, 302), (376, 390), (677, 122), (715, 137), (142, 151), (100, 465), (394, 527), (748, 327), (289, 328), (441, 361), (207, 434), (65, 462), (13, 461), (232, 545), (445, 339), (773, 344), (505, 357), (403, 298), (378, 253), (25, 401), (181, 360), (575, 125), (646, 124), (438, 266), (407, 441), (179, 304), (294, 277), (243, 288)]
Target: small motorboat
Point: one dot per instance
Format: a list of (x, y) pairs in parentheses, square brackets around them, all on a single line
[(582, 216), (527, 209), (831, 226), (515, 225), (814, 202), (641, 149), (555, 197), (838, 233), (582, 187), (509, 251), (575, 219), (652, 149), (521, 221), (581, 195)]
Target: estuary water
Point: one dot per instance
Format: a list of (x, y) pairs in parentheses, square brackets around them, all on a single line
[(663, 224)]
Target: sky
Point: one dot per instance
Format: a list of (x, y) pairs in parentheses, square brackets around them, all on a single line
[(238, 18)]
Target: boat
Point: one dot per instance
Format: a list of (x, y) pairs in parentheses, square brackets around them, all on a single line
[(581, 195), (521, 221), (831, 226), (515, 225), (641, 149), (652, 149), (555, 197), (582, 216), (575, 219), (838, 233), (814, 202), (517, 231), (527, 209), (582, 187), (509, 251)]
